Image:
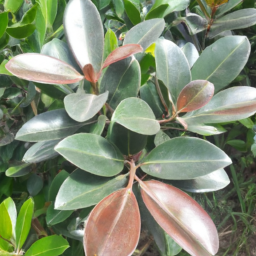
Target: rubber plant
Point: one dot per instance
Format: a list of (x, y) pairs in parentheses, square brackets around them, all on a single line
[(127, 130)]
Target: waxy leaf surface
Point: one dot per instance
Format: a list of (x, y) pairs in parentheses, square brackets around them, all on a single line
[(191, 53), (92, 153), (54, 217), (4, 22), (107, 229), (183, 159), (18, 170), (227, 7), (181, 217)]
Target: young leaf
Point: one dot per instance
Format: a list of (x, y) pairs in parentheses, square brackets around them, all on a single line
[(12, 211), (18, 170), (48, 246), (135, 115), (86, 107), (110, 42), (4, 22), (183, 159), (214, 63), (172, 209), (86, 152), (111, 217), (86, 189), (195, 95), (12, 5), (214, 3), (191, 53), (24, 223)]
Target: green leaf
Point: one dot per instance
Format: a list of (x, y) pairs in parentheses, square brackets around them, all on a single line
[(145, 33), (31, 93), (3, 22), (247, 122), (227, 7), (214, 63), (86, 152), (205, 130), (86, 107), (160, 138), (24, 222), (3, 70), (40, 26), (51, 125), (135, 115), (34, 184), (11, 208), (132, 9), (48, 246), (159, 11), (18, 171), (121, 80), (191, 53), (28, 17), (54, 217), (4, 40), (235, 20), (253, 149), (119, 7), (110, 42), (81, 20), (22, 31), (172, 67), (98, 127), (183, 159), (237, 144), (86, 190), (12, 5)]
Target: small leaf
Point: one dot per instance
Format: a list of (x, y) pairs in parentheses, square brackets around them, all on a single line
[(98, 128), (42, 69), (24, 222), (191, 53), (12, 211), (110, 42), (18, 171), (4, 22), (54, 217), (34, 184), (135, 115), (110, 217), (195, 95), (132, 9), (48, 246), (86, 152)]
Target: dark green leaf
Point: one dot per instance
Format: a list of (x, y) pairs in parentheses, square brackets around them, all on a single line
[(22, 31), (54, 217), (31, 93), (18, 171), (238, 145), (4, 40), (3, 22), (34, 184), (132, 8), (28, 17)]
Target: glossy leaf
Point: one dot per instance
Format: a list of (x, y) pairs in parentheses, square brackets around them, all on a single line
[(86, 105), (51, 125), (18, 170), (172, 209), (205, 130), (86, 189), (169, 60), (12, 5), (81, 20), (22, 31), (135, 115), (11, 208), (110, 42), (184, 158), (98, 127), (159, 11), (235, 20), (4, 22), (54, 217), (191, 53), (214, 63), (145, 33), (227, 7), (121, 80), (24, 222), (132, 9), (195, 95), (48, 246), (86, 152), (43, 69), (110, 217)]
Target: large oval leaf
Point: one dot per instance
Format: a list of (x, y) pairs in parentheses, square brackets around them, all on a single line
[(50, 125), (172, 209), (113, 225), (42, 69), (214, 63), (183, 159), (92, 153), (135, 115), (86, 189), (172, 67), (81, 20)]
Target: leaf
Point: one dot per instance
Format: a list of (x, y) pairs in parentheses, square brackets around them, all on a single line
[(48, 246), (110, 42), (22, 31), (215, 3), (18, 171), (145, 33), (31, 93), (160, 138), (42, 69), (51, 125), (135, 115), (40, 26), (172, 209), (81, 20), (34, 184), (28, 17), (98, 127), (235, 20), (159, 11), (92, 153), (4, 22), (227, 7), (86, 190), (24, 223), (195, 95), (54, 217), (238, 145), (4, 40), (86, 107), (11, 208), (172, 67), (232, 104), (132, 8), (119, 7), (191, 53), (205, 130), (214, 63), (184, 159), (122, 80), (110, 217), (12, 5)]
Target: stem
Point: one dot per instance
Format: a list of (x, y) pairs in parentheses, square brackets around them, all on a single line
[(38, 227), (8, 241), (203, 9), (95, 88), (132, 173), (168, 120)]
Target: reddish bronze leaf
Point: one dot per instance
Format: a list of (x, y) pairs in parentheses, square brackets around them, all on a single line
[(195, 95), (122, 53), (42, 69), (181, 217), (113, 227), (90, 74)]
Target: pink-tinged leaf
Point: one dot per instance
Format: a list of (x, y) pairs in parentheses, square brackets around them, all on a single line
[(113, 227), (90, 74), (42, 69), (181, 217), (195, 95), (122, 53)]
